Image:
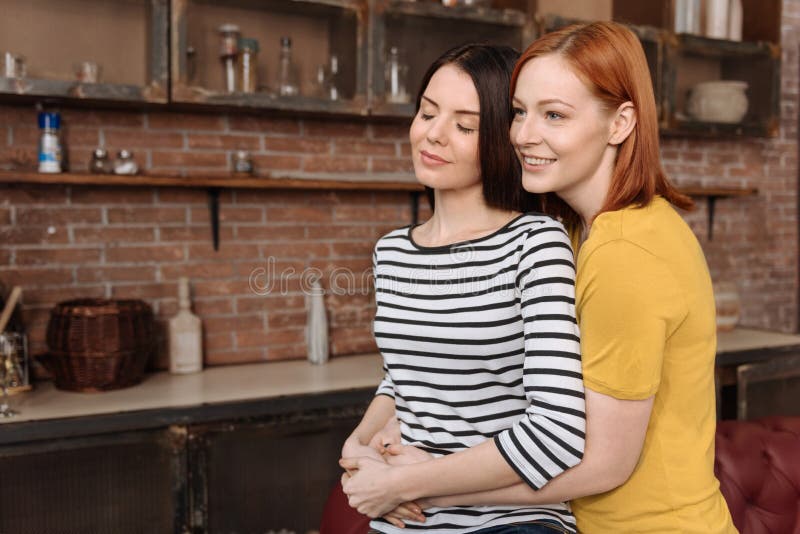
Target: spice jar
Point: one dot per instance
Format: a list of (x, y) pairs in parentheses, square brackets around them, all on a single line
[(228, 49), (124, 163), (242, 164), (100, 163), (248, 52)]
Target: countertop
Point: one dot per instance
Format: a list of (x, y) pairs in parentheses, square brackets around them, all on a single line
[(259, 388)]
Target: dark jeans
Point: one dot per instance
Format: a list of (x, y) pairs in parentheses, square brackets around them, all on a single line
[(539, 527)]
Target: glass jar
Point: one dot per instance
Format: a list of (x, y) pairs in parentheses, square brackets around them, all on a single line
[(100, 163), (287, 81), (124, 164), (228, 50), (242, 164), (396, 73), (248, 52)]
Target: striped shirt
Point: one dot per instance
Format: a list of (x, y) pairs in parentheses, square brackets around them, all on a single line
[(479, 340)]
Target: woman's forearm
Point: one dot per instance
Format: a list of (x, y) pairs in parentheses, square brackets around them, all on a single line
[(380, 410)]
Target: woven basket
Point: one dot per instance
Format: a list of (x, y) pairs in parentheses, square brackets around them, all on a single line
[(99, 345)]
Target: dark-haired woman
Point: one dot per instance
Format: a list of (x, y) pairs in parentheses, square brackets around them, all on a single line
[(476, 324)]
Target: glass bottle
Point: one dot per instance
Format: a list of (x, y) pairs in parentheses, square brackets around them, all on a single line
[(124, 164), (50, 142), (248, 53), (100, 163), (185, 335), (287, 81), (333, 78), (228, 49), (396, 72)]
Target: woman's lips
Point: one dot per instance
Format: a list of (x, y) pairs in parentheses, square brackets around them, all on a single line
[(432, 159)]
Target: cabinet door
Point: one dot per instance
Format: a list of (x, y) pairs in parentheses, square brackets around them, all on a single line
[(267, 475), (120, 483)]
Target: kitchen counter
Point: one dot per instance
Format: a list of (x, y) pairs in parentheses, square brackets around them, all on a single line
[(236, 391), (217, 393)]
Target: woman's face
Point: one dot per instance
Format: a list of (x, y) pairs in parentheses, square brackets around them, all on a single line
[(560, 131), (444, 133)]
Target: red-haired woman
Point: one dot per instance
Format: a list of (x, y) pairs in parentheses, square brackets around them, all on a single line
[(585, 131)]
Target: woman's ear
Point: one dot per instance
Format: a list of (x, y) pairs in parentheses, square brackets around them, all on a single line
[(623, 123)]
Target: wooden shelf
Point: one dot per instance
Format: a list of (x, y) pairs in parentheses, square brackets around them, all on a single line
[(501, 17), (392, 182)]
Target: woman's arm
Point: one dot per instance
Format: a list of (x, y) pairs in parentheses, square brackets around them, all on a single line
[(379, 412), (615, 436)]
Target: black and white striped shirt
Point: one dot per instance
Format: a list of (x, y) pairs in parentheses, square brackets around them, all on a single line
[(479, 340)]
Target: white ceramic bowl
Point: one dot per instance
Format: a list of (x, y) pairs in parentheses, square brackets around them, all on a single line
[(718, 101)]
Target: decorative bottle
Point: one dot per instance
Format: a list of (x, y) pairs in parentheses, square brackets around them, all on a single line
[(49, 143), (316, 325), (185, 335), (287, 81)]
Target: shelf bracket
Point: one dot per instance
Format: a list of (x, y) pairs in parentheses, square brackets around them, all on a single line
[(213, 212)]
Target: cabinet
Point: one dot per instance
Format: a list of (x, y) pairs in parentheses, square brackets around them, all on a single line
[(125, 39)]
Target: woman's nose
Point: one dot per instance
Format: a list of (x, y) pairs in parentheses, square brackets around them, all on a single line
[(525, 132), (436, 133)]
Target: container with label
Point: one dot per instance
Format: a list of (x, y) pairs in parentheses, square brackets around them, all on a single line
[(49, 142)]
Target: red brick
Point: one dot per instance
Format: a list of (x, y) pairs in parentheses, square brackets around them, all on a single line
[(276, 197), (211, 307), (269, 303), (343, 232), (33, 235), (153, 253), (338, 164), (393, 165), (263, 125), (197, 271), (104, 118), (302, 249), (366, 214), (300, 214), (229, 142), (266, 164), (19, 158), (287, 320), (141, 215), (269, 233), (227, 251), (238, 323), (341, 346), (130, 139), (5, 257), (334, 129), (51, 296), (116, 274), (193, 233), (143, 291), (405, 150), (288, 144), (218, 342), (113, 236), (41, 216), (396, 131), (189, 159), (182, 195), (365, 148), (5, 216), (62, 256), (286, 352), (31, 277), (228, 357), (229, 213), (111, 195), (185, 121), (33, 194), (220, 288), (360, 248)]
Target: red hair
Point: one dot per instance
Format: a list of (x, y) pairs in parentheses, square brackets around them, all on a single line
[(609, 59)]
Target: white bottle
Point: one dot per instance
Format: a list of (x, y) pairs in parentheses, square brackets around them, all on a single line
[(735, 20), (316, 325), (185, 335), (717, 19)]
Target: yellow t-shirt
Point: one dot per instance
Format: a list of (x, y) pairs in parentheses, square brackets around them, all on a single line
[(646, 312)]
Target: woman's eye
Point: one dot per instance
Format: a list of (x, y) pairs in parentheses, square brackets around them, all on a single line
[(463, 129), (425, 116), (518, 112), (552, 115)]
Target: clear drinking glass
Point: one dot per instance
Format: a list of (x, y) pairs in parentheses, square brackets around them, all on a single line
[(11, 371)]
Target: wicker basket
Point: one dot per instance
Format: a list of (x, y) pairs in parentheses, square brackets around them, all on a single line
[(99, 345)]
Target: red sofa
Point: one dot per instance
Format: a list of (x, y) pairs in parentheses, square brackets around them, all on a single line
[(757, 464)]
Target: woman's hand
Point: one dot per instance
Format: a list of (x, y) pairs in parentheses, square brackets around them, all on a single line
[(405, 454), (388, 435), (368, 488), (352, 448)]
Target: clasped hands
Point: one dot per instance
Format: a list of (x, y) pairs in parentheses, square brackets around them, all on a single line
[(368, 472)]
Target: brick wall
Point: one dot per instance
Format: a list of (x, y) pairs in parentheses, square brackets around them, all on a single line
[(63, 242)]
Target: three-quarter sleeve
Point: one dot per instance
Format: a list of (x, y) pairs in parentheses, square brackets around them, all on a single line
[(549, 438)]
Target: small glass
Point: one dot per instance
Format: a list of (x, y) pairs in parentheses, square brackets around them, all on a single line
[(100, 164), (87, 72), (228, 50), (287, 79), (396, 73), (248, 56), (13, 65), (13, 368), (124, 164)]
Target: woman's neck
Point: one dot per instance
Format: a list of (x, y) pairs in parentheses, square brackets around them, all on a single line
[(460, 215)]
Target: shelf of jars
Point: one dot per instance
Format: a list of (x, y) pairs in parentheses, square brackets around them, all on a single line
[(406, 37), (120, 55), (297, 55)]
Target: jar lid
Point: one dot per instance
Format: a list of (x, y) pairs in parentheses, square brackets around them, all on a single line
[(247, 42), (49, 119), (228, 28), (124, 154), (100, 153)]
